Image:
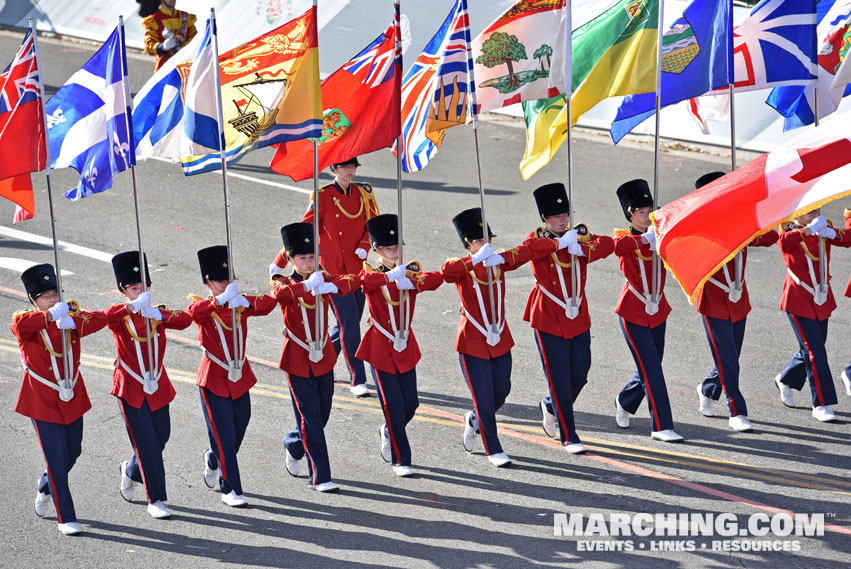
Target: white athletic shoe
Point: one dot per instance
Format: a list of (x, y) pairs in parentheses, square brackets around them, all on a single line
[(499, 459), (211, 477), (386, 453), (158, 511), (42, 501), (621, 415), (786, 396), (575, 448), (705, 403), (71, 528), (360, 390), (824, 414), (127, 485), (234, 500), (740, 424), (293, 465), (666, 436), (469, 439), (324, 487), (403, 471), (548, 420), (847, 381)]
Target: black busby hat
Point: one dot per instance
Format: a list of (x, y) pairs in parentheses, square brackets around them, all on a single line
[(383, 230), (126, 268), (214, 263), (148, 7), (633, 195), (552, 200), (350, 162), (39, 279), (468, 224), (298, 238), (708, 179)]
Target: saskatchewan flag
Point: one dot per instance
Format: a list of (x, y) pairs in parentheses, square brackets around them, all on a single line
[(614, 54)]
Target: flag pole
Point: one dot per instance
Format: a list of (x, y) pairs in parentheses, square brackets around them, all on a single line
[(402, 295), (67, 364), (143, 267), (738, 270), (318, 305), (823, 284), (576, 273), (655, 294), (237, 356)]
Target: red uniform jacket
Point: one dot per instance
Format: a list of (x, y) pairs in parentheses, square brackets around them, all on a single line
[(182, 27), (205, 313), (290, 294), (376, 348), (797, 248), (36, 400), (541, 312), (714, 301), (342, 226), (847, 228), (124, 385), (631, 251), (470, 340)]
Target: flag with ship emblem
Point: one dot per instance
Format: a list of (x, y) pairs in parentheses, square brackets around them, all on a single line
[(436, 90), (362, 109)]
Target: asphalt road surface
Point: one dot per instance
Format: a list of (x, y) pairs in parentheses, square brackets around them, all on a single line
[(458, 511)]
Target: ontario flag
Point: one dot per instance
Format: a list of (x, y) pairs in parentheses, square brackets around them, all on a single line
[(22, 142), (362, 109), (807, 172)]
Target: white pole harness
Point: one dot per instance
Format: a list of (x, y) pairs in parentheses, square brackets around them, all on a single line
[(64, 387)]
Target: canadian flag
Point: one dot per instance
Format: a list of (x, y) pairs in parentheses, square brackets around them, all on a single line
[(701, 231)]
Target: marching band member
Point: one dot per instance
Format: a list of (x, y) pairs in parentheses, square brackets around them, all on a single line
[(724, 305), (167, 29), (54, 403), (344, 208), (484, 348), (307, 362), (224, 378), (562, 324), (389, 345), (808, 309), (143, 395), (642, 318)]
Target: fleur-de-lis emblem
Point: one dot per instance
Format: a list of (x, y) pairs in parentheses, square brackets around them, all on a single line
[(56, 118), (91, 175), (120, 148)]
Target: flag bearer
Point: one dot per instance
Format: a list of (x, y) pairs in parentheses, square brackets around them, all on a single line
[(389, 345), (167, 29), (143, 392), (642, 318), (808, 308), (54, 403), (307, 360), (724, 306), (561, 322), (344, 208), (224, 377), (483, 342)]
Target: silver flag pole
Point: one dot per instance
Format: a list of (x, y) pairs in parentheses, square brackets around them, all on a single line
[(657, 265)]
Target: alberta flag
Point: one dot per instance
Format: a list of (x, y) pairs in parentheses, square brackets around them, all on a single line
[(87, 120)]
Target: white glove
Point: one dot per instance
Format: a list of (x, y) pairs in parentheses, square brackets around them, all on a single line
[(650, 239), (361, 253), (169, 44), (569, 238), (152, 313), (66, 323), (275, 270), (325, 288), (396, 273), (576, 250), (230, 292), (313, 281), (494, 260), (482, 254), (827, 233), (404, 283), (58, 310), (238, 301), (817, 225), (141, 301)]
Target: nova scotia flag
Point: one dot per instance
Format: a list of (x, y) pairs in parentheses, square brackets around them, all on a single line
[(87, 120)]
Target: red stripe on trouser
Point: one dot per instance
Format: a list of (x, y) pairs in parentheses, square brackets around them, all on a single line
[(215, 435), (552, 388), (49, 475), (475, 405), (384, 405), (343, 342), (719, 366), (301, 428), (643, 375), (135, 449), (816, 378)]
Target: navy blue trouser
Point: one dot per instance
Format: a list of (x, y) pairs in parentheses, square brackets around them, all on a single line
[(149, 432), (227, 419), (399, 401), (647, 346), (489, 382), (311, 397), (348, 310), (725, 343), (61, 445), (566, 363), (810, 363)]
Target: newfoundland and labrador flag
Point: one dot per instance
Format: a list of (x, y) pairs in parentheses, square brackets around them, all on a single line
[(805, 173)]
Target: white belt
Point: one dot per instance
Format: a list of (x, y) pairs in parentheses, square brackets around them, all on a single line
[(734, 293), (234, 371), (491, 337), (66, 392), (570, 311), (149, 384), (819, 296), (313, 348), (650, 307)]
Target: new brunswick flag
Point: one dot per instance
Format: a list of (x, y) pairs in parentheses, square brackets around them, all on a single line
[(614, 54)]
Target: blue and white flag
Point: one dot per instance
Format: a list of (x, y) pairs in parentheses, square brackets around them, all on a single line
[(696, 58), (87, 120), (201, 131)]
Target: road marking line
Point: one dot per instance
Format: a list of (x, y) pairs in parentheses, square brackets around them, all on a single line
[(63, 245), (252, 179), (20, 265)]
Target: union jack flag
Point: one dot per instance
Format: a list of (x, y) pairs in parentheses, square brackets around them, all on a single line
[(377, 62), (20, 79), (436, 91)]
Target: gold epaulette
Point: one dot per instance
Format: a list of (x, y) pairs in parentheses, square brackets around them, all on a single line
[(540, 232), (364, 186), (789, 226), (367, 266), (193, 298), (829, 223), (847, 212), (413, 269), (622, 232), (73, 308), (582, 232), (161, 306), (19, 312)]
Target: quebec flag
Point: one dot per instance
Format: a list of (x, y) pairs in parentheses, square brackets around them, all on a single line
[(87, 120)]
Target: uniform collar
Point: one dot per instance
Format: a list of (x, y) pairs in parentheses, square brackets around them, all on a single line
[(168, 11), (340, 188), (635, 231)]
